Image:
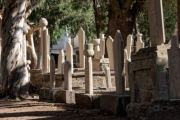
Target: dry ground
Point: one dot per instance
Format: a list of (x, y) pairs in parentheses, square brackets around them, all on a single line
[(32, 109)]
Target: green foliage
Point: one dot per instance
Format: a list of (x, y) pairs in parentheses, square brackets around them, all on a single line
[(66, 14), (170, 19)]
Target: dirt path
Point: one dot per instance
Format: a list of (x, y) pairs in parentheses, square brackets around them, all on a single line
[(32, 109)]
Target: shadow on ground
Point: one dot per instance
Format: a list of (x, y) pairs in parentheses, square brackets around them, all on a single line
[(35, 110)]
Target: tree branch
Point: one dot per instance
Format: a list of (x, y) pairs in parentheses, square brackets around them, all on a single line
[(31, 7)]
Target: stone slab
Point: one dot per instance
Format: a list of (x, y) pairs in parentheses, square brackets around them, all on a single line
[(85, 100), (57, 95), (78, 80), (64, 96), (114, 104), (45, 94)]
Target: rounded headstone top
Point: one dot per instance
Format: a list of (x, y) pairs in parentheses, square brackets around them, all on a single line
[(43, 22), (96, 42)]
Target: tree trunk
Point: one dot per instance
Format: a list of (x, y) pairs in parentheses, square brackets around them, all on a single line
[(14, 69), (32, 51), (97, 20), (120, 18)]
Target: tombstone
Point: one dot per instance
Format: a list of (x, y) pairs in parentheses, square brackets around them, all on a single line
[(48, 50), (118, 46), (139, 42), (39, 62), (109, 45), (126, 62), (66, 95), (129, 46), (69, 54), (52, 73), (148, 76), (88, 52), (67, 76), (43, 24), (45, 67), (108, 77), (156, 21), (96, 43), (61, 61), (102, 46), (174, 68), (44, 46), (81, 39)]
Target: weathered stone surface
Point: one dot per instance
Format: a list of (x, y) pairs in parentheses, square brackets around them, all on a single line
[(81, 39), (129, 46), (118, 46), (89, 52), (174, 68), (156, 21), (57, 95), (108, 77), (42, 23), (109, 45), (69, 54), (78, 81), (45, 94), (52, 73), (91, 101), (164, 110), (115, 104), (157, 110), (137, 111), (126, 69), (45, 57), (44, 46), (96, 43), (64, 96), (46, 80), (100, 64), (139, 42), (36, 78), (102, 46), (67, 76), (148, 75), (61, 60)]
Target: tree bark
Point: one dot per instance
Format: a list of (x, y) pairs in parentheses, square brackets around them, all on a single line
[(14, 69), (178, 3), (120, 18), (32, 48), (97, 20)]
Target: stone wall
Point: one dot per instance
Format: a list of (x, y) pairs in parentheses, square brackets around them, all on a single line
[(149, 75), (42, 80), (36, 78)]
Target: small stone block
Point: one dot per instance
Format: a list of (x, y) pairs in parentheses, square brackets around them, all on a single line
[(64, 96), (90, 101), (45, 94), (115, 104)]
